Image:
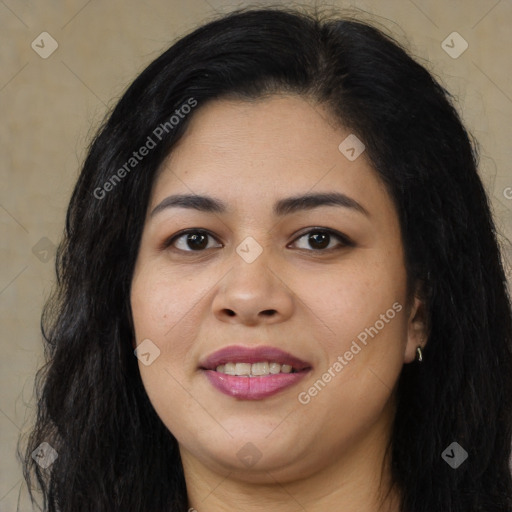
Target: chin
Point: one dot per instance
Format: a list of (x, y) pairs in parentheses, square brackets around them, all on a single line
[(251, 454)]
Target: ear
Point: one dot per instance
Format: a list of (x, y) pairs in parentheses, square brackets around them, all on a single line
[(417, 329)]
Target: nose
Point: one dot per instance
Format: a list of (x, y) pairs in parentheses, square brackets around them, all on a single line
[(253, 293)]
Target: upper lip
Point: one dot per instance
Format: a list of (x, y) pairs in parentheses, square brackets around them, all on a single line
[(242, 354)]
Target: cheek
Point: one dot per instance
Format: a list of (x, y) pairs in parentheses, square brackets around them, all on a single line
[(350, 300), (365, 314), (163, 309), (161, 301)]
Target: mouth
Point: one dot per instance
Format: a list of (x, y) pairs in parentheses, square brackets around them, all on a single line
[(253, 373)]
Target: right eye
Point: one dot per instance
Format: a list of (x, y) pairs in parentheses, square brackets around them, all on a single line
[(195, 239)]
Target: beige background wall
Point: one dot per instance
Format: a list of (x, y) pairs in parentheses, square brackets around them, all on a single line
[(50, 107)]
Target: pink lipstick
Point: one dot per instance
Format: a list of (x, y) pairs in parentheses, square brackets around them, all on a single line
[(253, 373)]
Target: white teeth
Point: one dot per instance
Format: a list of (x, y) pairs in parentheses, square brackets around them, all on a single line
[(260, 369), (229, 368), (243, 369), (274, 368), (254, 369)]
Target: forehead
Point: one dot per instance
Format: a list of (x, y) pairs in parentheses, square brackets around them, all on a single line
[(275, 127), (256, 150)]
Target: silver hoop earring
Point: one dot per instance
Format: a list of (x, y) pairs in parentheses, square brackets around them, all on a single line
[(419, 354)]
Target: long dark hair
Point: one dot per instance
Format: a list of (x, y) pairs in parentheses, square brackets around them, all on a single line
[(114, 453)]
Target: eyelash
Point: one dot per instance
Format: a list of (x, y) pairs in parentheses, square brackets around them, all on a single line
[(345, 241)]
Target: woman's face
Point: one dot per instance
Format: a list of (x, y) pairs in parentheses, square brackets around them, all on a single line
[(317, 285)]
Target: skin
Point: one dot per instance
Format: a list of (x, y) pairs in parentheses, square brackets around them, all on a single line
[(326, 454)]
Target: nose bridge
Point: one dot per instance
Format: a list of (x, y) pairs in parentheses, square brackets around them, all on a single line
[(251, 262), (252, 289)]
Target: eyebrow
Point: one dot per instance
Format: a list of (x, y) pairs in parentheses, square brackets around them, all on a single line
[(282, 207)]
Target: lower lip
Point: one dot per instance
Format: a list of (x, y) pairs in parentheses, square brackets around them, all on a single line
[(252, 388)]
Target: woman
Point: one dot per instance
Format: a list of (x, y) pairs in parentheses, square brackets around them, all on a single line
[(283, 220)]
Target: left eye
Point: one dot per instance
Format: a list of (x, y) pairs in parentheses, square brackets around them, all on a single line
[(320, 239)]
